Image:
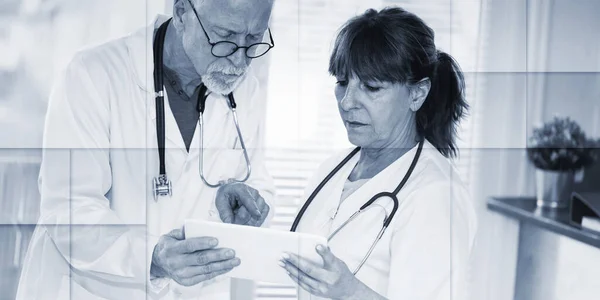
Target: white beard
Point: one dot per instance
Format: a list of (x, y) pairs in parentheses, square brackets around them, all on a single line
[(217, 83)]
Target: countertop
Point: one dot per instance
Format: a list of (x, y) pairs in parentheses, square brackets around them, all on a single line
[(555, 220)]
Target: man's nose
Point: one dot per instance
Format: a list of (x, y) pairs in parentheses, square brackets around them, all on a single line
[(239, 58)]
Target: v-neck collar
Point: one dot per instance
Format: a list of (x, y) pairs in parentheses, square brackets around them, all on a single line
[(378, 183)]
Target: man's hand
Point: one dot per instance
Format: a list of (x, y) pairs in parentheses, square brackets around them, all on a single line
[(240, 204), (190, 261)]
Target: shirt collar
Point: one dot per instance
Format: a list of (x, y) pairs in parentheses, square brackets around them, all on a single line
[(140, 51)]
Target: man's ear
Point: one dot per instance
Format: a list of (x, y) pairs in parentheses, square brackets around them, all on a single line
[(179, 9), (418, 93)]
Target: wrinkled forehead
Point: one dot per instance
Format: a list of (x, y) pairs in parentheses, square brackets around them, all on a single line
[(237, 15)]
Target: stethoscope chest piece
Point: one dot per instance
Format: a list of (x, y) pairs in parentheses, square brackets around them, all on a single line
[(162, 186)]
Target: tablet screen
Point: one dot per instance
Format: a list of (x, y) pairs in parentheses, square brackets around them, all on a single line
[(259, 249)]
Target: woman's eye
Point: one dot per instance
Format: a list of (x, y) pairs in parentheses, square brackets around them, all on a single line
[(342, 83), (372, 88)]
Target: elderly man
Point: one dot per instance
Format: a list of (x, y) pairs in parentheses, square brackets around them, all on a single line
[(126, 159)]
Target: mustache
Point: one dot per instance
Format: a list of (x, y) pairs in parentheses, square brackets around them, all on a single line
[(228, 70)]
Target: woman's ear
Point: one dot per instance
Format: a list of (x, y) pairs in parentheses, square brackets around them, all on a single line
[(418, 93), (179, 9)]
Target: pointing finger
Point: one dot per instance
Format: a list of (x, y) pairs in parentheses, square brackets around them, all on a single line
[(264, 214), (264, 211), (256, 222), (260, 203), (248, 200)]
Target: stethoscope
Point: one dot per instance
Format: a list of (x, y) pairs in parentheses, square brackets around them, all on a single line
[(367, 205), (162, 185)]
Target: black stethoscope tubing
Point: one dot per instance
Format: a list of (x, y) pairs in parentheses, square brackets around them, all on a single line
[(159, 41), (392, 195), (158, 47)]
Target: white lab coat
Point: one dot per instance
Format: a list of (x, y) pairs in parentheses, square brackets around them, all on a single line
[(425, 250), (99, 222)]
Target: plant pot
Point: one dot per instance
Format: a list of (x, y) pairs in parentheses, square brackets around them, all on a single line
[(554, 188)]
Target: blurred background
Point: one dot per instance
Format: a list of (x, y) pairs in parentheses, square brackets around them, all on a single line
[(525, 62)]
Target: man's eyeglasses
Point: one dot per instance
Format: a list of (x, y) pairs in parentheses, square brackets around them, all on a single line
[(226, 48)]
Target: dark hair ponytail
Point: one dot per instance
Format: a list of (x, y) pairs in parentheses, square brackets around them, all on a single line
[(397, 46), (444, 107)]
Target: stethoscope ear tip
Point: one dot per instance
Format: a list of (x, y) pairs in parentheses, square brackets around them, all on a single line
[(232, 103)]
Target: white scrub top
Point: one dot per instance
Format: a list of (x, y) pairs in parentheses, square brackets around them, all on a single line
[(424, 253), (99, 221)]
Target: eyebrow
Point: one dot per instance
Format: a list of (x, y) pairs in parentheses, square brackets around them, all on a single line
[(216, 27), (231, 31)]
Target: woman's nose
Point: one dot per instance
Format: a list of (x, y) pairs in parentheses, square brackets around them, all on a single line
[(348, 101)]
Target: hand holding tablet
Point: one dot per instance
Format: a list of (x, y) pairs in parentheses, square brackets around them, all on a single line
[(259, 249)]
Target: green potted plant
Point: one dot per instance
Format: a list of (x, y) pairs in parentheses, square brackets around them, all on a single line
[(558, 149)]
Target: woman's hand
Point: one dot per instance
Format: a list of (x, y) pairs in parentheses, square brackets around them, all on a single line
[(333, 280)]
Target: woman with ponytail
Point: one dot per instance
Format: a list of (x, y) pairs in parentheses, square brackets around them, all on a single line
[(401, 100)]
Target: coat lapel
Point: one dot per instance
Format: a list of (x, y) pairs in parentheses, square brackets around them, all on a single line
[(322, 210), (142, 66), (386, 181)]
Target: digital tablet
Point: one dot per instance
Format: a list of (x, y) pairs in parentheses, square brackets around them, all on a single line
[(259, 249)]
